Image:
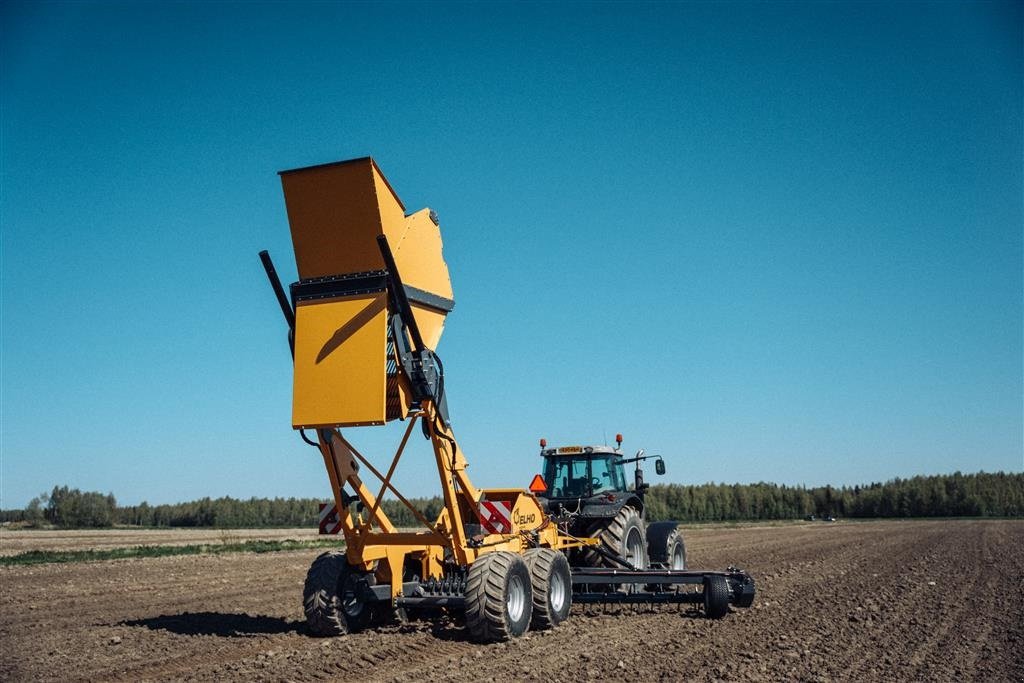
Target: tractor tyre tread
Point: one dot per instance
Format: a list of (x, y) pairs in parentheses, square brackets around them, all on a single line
[(612, 535), (662, 539)]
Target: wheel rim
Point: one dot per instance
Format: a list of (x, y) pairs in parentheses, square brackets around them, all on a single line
[(515, 603), (351, 603), (635, 548), (678, 558), (556, 592)]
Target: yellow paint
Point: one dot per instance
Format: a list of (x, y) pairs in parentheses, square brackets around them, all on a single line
[(340, 362), (336, 212), (527, 514), (430, 322), (418, 253)]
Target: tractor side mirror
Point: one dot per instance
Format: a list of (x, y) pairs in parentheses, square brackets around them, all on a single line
[(659, 466)]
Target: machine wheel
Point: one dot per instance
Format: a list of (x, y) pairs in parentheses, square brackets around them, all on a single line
[(716, 596), (499, 598), (665, 545), (624, 536), (355, 609), (552, 587), (320, 595)]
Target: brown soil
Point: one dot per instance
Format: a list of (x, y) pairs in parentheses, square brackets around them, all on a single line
[(868, 601), (14, 541)]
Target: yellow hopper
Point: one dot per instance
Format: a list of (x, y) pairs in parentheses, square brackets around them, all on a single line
[(345, 370)]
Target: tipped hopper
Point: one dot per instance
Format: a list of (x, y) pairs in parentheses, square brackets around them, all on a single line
[(345, 374)]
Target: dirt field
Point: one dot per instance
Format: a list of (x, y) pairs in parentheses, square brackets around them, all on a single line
[(13, 542), (873, 601)]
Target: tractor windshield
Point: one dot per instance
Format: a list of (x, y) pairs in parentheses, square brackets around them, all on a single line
[(581, 476)]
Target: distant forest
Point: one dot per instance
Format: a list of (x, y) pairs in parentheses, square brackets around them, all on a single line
[(947, 495)]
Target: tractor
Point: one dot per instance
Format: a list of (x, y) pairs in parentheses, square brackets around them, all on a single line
[(588, 497), (364, 320)]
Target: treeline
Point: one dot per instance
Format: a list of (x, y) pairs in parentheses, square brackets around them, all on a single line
[(951, 495), (71, 508), (948, 495)]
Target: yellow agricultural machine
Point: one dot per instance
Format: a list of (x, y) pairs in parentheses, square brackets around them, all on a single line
[(364, 320)]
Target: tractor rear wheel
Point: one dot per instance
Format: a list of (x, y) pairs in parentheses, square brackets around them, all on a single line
[(552, 587), (320, 595), (499, 597), (716, 596), (624, 537), (665, 545)]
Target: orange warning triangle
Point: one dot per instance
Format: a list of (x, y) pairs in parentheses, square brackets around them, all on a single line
[(538, 485)]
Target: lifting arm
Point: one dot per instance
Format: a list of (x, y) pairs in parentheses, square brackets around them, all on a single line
[(421, 365)]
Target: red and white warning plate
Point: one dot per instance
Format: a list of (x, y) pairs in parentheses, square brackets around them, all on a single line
[(329, 522), (496, 516)]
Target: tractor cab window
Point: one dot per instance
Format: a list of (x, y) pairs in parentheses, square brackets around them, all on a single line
[(607, 474), (581, 477), (568, 477)]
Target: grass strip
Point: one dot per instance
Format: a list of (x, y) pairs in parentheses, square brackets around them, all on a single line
[(56, 556)]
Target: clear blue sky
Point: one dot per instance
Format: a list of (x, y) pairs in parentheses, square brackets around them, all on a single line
[(774, 242)]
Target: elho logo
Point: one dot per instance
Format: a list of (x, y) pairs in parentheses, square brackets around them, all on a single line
[(523, 520)]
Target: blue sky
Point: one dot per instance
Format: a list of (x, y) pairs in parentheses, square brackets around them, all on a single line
[(774, 242)]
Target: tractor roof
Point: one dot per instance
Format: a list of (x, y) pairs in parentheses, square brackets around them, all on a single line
[(568, 451)]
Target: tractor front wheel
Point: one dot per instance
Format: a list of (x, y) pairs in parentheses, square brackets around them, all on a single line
[(665, 546)]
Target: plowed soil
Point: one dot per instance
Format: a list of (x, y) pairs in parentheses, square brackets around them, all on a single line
[(13, 542), (930, 601)]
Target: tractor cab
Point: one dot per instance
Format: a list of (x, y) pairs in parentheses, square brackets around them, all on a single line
[(588, 472), (583, 471)]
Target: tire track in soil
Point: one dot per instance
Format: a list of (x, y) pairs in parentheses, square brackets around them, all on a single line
[(878, 609), (962, 624)]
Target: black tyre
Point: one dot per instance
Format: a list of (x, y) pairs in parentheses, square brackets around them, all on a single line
[(320, 595), (716, 596), (499, 597), (353, 599), (624, 537), (552, 587), (665, 546)]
